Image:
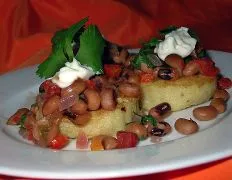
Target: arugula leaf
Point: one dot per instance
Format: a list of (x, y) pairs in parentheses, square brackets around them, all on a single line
[(167, 30), (61, 50), (91, 49), (142, 57)]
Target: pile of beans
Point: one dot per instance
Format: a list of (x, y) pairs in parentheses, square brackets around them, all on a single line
[(146, 129), (78, 100), (89, 99), (204, 113)]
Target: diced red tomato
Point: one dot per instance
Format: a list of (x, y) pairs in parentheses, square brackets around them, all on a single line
[(112, 70), (16, 117), (212, 72), (15, 120), (207, 67), (127, 139), (28, 125), (50, 88), (59, 142), (30, 134), (146, 77), (82, 141), (91, 84), (224, 83)]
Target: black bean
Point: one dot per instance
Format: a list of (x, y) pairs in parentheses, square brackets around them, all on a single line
[(163, 108)]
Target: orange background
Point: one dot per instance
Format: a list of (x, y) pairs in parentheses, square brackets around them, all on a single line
[(26, 27)]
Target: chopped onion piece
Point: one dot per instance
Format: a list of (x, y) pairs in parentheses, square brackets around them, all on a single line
[(67, 101)]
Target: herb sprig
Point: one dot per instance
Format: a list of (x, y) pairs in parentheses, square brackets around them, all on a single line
[(142, 57), (90, 51), (147, 118)]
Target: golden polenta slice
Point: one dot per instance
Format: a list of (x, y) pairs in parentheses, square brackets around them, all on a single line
[(103, 122), (180, 94)]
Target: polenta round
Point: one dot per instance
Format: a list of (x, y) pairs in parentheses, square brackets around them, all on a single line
[(180, 94), (103, 122)]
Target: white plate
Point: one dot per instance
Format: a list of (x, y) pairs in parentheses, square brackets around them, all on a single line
[(20, 158)]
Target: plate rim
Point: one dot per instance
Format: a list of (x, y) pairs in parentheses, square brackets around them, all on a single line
[(202, 159)]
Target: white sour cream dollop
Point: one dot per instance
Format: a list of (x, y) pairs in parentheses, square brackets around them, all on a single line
[(71, 72), (177, 42)]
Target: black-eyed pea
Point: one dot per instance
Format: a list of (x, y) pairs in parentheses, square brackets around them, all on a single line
[(186, 126), (108, 101), (138, 129), (76, 88), (129, 90), (205, 113), (80, 107), (219, 104), (175, 61), (51, 105), (221, 93), (160, 111), (163, 128), (93, 99), (190, 69), (82, 119)]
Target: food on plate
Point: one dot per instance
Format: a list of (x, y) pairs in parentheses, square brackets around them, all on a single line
[(103, 121), (186, 126), (186, 76), (221, 93), (180, 94), (216, 106), (104, 97), (205, 113), (219, 104)]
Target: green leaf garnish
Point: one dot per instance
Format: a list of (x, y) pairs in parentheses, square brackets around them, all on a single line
[(61, 50), (167, 30), (22, 120), (142, 57), (148, 118), (203, 54), (188, 59), (91, 49)]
